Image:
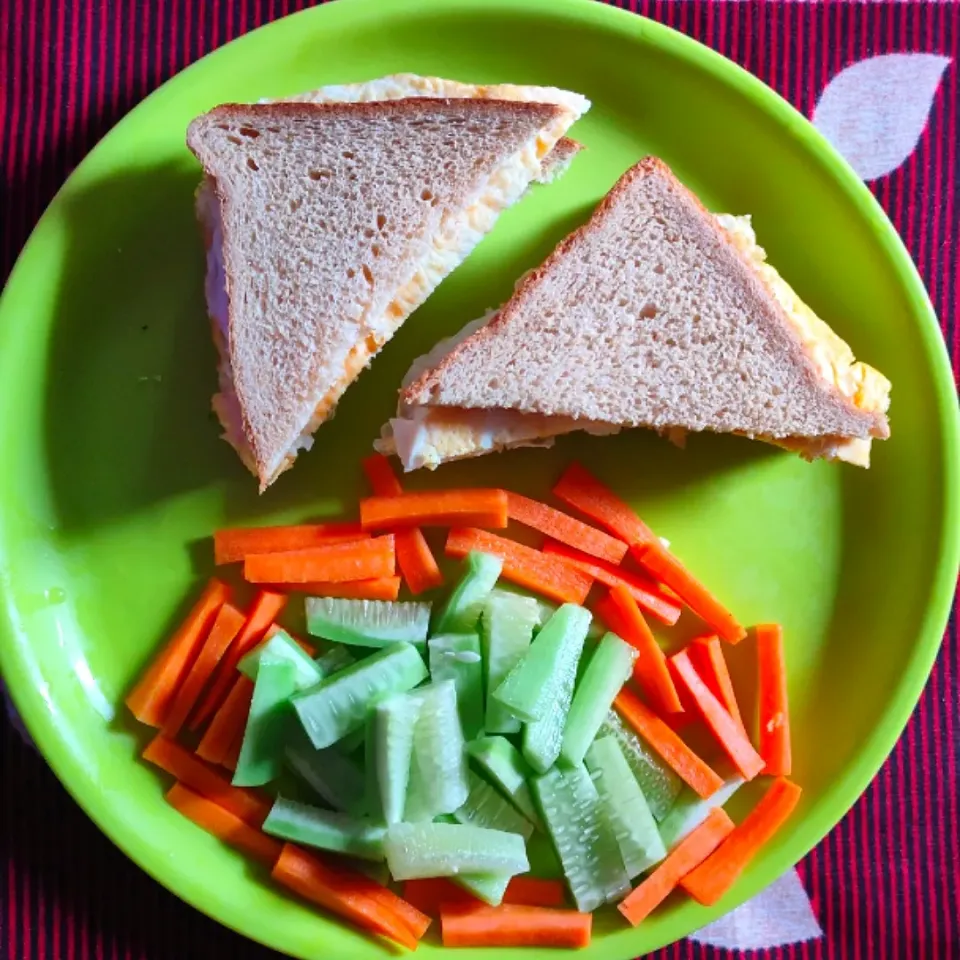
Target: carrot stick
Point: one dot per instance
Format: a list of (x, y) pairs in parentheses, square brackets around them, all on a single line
[(414, 557), (379, 588), (198, 776), (691, 769), (523, 565), (686, 856), (431, 894), (347, 894), (718, 873), (232, 757), (438, 508), (663, 565), (413, 919), (774, 713), (730, 735), (559, 526), (267, 606), (510, 925), (707, 656), (227, 625), (579, 489), (361, 560), (231, 546), (228, 723), (223, 824), (650, 596), (621, 614), (150, 700), (535, 892)]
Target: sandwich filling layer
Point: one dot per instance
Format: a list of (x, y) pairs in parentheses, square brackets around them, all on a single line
[(425, 436)]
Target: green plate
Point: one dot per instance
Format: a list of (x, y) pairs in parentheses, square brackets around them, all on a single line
[(113, 474)]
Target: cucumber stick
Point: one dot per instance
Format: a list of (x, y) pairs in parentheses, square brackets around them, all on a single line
[(373, 807), (485, 807), (488, 887), (461, 612), (690, 810), (341, 703), (438, 750), (503, 763), (456, 657), (334, 776), (529, 689), (660, 785), (324, 829), (267, 724), (334, 660), (395, 720), (623, 804), (368, 623), (506, 629), (582, 837), (607, 671), (543, 739), (281, 646), (416, 850)]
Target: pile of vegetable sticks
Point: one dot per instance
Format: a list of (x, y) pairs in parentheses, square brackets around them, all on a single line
[(196, 687)]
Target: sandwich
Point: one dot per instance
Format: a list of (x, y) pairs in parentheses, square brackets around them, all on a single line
[(655, 313), (326, 224)]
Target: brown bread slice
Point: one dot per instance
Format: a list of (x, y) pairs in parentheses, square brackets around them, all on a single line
[(337, 221)]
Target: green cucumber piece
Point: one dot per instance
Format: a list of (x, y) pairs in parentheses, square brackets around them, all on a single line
[(543, 739), (416, 807), (506, 628), (368, 623), (584, 841), (486, 807), (334, 660), (267, 725), (659, 783), (282, 647), (689, 811), (503, 763), (529, 689), (625, 807), (456, 657), (395, 720), (340, 704), (372, 804), (334, 776), (325, 829), (461, 612), (416, 850), (352, 741), (438, 750), (607, 671), (488, 887)]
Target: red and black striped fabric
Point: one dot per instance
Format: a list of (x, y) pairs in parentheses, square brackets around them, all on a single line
[(886, 882)]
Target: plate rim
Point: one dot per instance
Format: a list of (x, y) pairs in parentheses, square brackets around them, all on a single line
[(17, 666)]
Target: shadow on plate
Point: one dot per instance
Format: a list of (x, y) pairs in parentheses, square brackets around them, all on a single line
[(131, 361)]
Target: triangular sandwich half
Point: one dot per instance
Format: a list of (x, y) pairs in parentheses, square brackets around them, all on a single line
[(655, 314), (327, 225)]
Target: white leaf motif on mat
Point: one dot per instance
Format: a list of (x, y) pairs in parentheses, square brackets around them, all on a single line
[(874, 111), (779, 915)]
